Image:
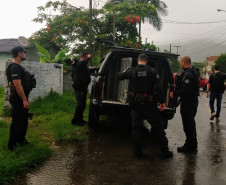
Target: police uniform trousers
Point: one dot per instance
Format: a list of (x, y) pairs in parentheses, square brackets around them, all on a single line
[(19, 124), (151, 113), (188, 110), (81, 104)]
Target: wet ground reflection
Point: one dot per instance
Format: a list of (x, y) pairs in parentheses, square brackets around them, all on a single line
[(106, 158)]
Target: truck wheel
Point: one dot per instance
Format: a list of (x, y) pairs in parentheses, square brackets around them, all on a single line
[(94, 116)]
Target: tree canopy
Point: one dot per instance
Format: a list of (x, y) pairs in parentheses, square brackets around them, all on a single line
[(222, 62), (67, 25)]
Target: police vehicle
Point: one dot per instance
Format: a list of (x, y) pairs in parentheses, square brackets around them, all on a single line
[(109, 96)]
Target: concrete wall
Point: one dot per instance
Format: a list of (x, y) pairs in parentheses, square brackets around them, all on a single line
[(68, 82), (3, 58), (48, 76), (2, 78)]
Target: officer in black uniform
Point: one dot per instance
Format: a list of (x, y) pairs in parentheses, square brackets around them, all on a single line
[(20, 82), (146, 92), (81, 79), (188, 90)]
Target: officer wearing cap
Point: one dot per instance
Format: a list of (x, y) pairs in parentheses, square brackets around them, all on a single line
[(146, 92), (188, 91), (19, 81)]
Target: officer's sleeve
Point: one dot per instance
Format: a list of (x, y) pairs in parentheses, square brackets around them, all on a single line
[(158, 89), (15, 72), (93, 69), (186, 89), (83, 62), (127, 74)]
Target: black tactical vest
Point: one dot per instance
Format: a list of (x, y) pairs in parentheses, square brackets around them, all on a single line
[(143, 80), (27, 79)]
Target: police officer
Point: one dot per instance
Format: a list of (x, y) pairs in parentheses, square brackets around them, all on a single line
[(146, 92), (19, 81), (188, 91), (81, 79)]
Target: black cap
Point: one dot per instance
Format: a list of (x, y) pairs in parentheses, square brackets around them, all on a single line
[(16, 50)]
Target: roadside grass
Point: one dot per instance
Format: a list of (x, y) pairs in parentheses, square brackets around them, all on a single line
[(3, 113), (1, 100), (51, 124), (54, 113)]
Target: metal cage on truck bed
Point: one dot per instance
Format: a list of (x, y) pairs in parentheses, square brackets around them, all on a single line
[(109, 94)]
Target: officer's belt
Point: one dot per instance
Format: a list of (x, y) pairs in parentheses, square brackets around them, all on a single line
[(150, 98)]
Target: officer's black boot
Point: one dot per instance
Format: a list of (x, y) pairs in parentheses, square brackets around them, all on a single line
[(12, 141), (23, 142), (187, 148), (166, 153), (11, 146), (75, 121), (190, 145)]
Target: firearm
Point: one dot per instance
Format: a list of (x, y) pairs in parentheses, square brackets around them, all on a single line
[(177, 86)]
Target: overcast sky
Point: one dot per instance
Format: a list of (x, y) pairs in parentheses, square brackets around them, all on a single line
[(191, 17)]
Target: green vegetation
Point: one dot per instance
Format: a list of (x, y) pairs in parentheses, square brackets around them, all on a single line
[(175, 65), (222, 62), (199, 65), (118, 21), (51, 124)]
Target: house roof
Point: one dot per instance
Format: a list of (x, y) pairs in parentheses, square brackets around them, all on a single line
[(211, 58), (6, 45)]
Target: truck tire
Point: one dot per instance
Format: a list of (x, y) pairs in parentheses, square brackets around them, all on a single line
[(94, 117)]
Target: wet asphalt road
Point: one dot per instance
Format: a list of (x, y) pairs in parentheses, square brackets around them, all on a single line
[(106, 159)]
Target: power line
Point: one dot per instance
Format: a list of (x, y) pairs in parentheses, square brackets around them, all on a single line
[(179, 22), (212, 32), (214, 36)]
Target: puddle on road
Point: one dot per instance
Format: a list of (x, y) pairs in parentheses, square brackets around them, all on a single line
[(106, 159)]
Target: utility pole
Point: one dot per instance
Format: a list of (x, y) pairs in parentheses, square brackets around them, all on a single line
[(90, 28), (140, 31), (170, 48), (177, 48), (114, 20)]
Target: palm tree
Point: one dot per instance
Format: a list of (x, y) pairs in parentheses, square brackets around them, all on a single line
[(152, 17)]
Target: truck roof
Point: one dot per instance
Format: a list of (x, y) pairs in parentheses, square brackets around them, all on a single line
[(148, 52)]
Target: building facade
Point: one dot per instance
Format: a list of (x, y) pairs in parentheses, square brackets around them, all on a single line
[(210, 61), (6, 45)]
